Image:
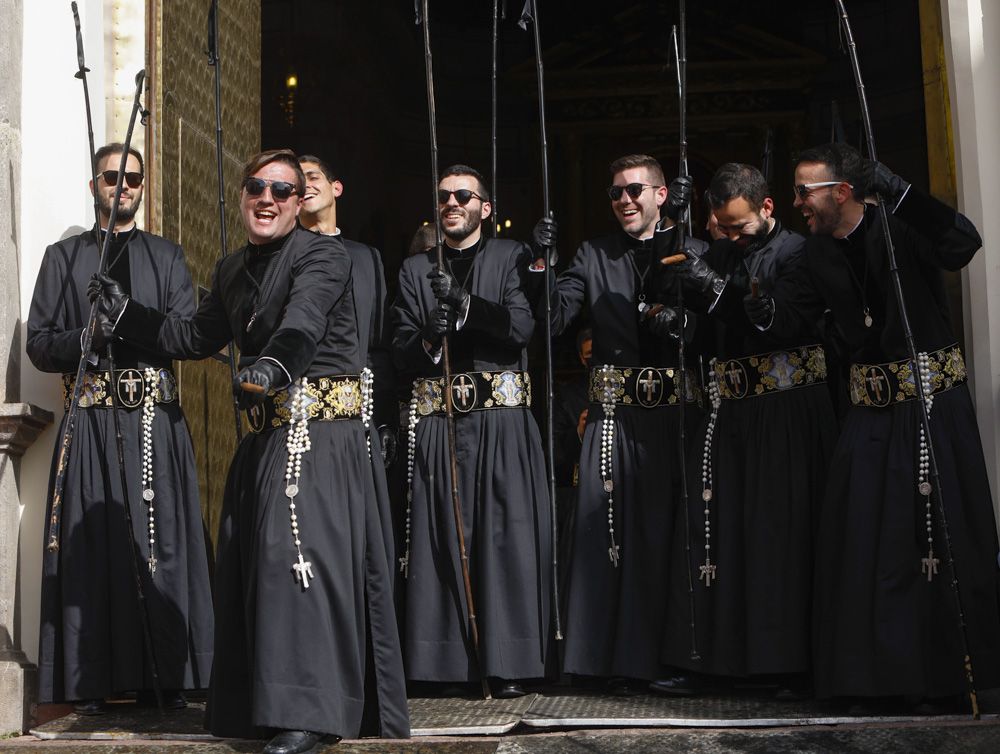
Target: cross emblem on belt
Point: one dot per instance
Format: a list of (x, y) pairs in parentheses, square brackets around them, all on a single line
[(735, 376), (131, 381), (651, 382), (462, 386), (875, 381)]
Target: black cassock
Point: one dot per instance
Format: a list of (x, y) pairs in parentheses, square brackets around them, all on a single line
[(502, 486), (91, 642), (614, 618), (290, 657), (769, 456), (881, 628)]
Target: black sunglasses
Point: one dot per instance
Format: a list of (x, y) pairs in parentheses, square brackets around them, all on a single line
[(280, 190), (634, 190), (134, 180), (462, 196)]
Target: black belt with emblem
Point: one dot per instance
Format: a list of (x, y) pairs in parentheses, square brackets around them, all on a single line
[(880, 385), (772, 372), (132, 386), (473, 391), (648, 387), (326, 399)]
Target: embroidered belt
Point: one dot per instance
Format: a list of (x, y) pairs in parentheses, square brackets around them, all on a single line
[(879, 385), (765, 373), (648, 387), (473, 391), (322, 398), (130, 384)]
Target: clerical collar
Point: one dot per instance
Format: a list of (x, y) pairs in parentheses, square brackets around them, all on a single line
[(466, 252), (125, 233), (336, 232), (267, 248), (861, 220)]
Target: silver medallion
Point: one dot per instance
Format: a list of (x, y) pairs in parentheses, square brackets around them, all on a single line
[(148, 495)]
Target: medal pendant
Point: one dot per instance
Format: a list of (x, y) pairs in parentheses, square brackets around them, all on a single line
[(868, 319)]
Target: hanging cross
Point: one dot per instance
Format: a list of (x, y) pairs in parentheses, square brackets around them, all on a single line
[(303, 571), (707, 572), (613, 554), (929, 565), (404, 566), (652, 381), (152, 564)]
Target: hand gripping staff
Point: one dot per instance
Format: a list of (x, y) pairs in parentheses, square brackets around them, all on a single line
[(446, 359), (912, 349)]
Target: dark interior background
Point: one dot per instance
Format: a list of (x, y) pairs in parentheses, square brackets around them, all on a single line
[(780, 65)]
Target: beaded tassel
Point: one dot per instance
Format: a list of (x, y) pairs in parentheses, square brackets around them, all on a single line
[(929, 564), (607, 451), (411, 452), (297, 443), (151, 377), (367, 405), (707, 570)]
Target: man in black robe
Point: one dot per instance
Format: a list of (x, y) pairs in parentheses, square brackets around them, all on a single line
[(306, 641), (480, 304), (629, 477), (886, 622), (759, 462), (91, 644)]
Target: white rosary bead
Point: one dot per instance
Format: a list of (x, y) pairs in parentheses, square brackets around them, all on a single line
[(411, 451), (707, 570), (151, 378)]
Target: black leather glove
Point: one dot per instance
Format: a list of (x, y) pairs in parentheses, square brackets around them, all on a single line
[(104, 332), (679, 196), (665, 323), (447, 289), (759, 309), (440, 322), (545, 236), (698, 275), (387, 438), (882, 181), (110, 296), (265, 374)]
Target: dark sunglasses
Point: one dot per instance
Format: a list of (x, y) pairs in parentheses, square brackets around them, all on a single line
[(803, 190), (462, 196), (634, 190), (280, 190), (134, 180)]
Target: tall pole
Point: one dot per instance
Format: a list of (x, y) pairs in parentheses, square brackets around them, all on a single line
[(681, 54), (215, 62), (446, 365), (530, 14), (911, 347), (493, 121)]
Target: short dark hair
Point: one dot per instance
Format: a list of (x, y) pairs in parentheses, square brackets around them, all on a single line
[(639, 161), (460, 169), (116, 147), (321, 164), (843, 162), (735, 180), (425, 238), (286, 156)]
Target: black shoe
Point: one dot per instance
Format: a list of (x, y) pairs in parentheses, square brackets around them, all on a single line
[(172, 699), (676, 685), (509, 690), (292, 742), (91, 707)]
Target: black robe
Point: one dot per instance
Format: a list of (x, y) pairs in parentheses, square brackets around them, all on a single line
[(768, 459), (288, 657), (502, 488), (614, 618), (881, 628), (91, 642)]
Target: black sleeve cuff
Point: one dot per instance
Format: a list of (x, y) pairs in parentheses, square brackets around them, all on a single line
[(292, 349), (487, 317), (140, 325)]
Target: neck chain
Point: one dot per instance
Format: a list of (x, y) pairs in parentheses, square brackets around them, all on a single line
[(630, 255), (472, 264)]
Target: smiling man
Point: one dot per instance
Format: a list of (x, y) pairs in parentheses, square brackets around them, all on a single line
[(479, 303), (885, 616), (303, 604), (627, 506), (86, 655)]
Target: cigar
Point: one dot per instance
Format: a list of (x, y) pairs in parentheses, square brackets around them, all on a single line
[(250, 387), (755, 287), (673, 259)]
